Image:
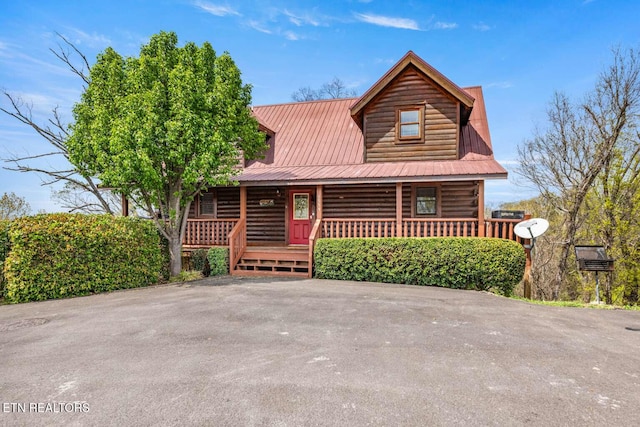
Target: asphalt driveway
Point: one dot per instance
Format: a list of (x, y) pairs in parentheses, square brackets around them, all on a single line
[(309, 352)]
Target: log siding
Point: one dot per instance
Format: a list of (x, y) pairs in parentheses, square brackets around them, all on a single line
[(359, 201), (265, 223), (440, 115), (228, 202), (456, 200)]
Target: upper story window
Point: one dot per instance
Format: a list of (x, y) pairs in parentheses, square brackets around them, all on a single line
[(410, 124)]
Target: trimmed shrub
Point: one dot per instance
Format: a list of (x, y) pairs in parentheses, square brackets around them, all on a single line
[(218, 261), (62, 255), (4, 251), (458, 263), (199, 259)]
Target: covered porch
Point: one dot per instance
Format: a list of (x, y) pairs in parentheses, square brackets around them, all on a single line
[(276, 226)]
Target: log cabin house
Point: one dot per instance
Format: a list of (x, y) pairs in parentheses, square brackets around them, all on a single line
[(407, 158)]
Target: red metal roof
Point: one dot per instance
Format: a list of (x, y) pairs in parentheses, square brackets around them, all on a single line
[(442, 170), (475, 139), (311, 133), (318, 141)]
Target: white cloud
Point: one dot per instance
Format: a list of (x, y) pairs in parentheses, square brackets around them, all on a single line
[(389, 61), (80, 37), (258, 26), (509, 162), (444, 25), (22, 63), (500, 85), (300, 20), (387, 21), (41, 105), (481, 26), (290, 35), (214, 9)]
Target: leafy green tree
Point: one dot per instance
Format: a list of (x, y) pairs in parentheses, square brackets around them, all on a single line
[(13, 206), (613, 211), (564, 160), (162, 127)]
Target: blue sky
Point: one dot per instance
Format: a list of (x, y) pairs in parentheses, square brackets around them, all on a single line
[(519, 51)]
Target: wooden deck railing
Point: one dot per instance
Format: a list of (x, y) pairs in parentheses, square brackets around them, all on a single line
[(313, 236), (418, 227), (503, 228), (358, 227), (237, 243), (439, 227), (208, 232), (232, 233)]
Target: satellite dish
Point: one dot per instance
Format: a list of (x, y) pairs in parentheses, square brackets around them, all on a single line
[(531, 228)]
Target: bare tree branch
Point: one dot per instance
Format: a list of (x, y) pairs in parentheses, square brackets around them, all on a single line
[(334, 89), (54, 131), (64, 55), (564, 161)]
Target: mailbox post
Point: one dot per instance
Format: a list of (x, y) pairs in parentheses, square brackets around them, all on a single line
[(593, 258)]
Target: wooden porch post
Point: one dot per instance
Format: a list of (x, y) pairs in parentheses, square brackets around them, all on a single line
[(243, 202), (315, 232), (527, 268), (481, 231), (398, 209), (319, 202)]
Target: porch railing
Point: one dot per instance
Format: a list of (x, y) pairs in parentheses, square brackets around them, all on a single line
[(503, 228), (418, 227), (221, 232), (208, 232), (358, 227), (237, 243), (439, 227)]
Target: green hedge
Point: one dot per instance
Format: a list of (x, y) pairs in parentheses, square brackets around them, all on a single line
[(199, 260), (459, 263), (4, 250), (62, 255), (218, 261)]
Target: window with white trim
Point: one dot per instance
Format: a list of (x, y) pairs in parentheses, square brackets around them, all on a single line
[(410, 124)]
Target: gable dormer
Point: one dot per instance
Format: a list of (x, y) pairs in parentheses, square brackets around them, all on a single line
[(412, 113)]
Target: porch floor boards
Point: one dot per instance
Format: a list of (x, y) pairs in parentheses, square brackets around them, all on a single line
[(292, 261)]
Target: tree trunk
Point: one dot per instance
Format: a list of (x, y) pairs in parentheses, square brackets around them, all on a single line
[(175, 252), (567, 242), (176, 234), (562, 268), (608, 245)]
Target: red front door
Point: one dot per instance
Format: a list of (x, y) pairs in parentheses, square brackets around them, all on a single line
[(299, 217)]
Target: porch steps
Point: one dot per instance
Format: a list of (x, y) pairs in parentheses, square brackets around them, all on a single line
[(291, 261)]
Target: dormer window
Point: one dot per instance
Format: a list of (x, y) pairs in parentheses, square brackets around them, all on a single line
[(410, 124)]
